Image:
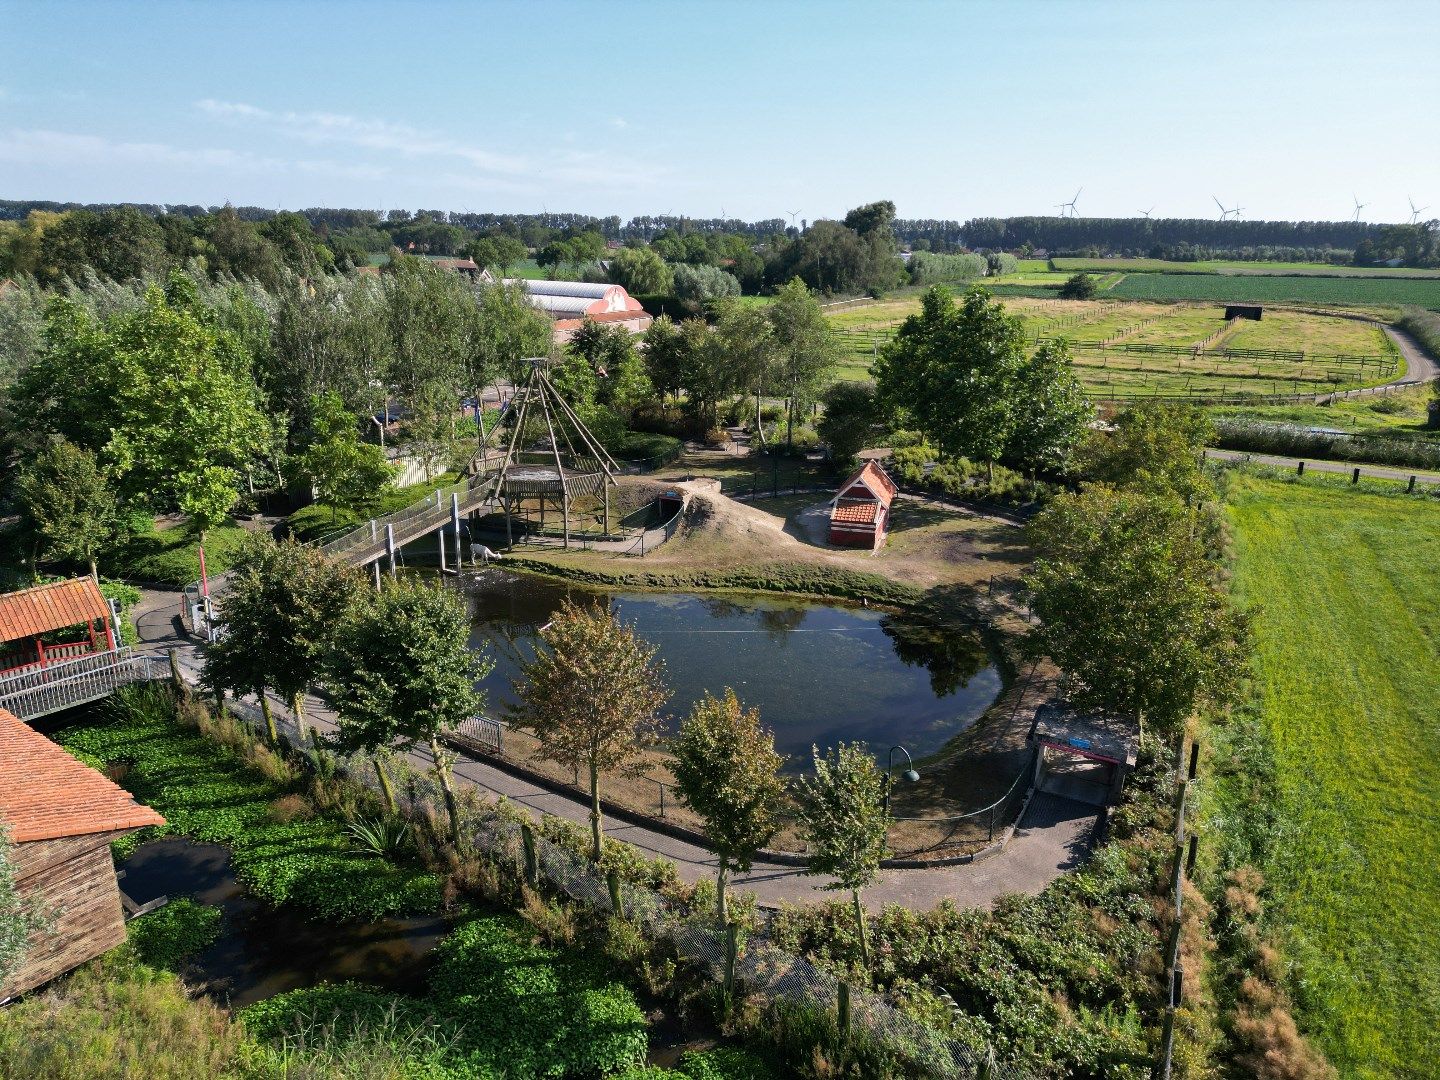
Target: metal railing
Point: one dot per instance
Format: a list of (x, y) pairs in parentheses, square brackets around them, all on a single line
[(418, 517), (69, 683), (479, 733)]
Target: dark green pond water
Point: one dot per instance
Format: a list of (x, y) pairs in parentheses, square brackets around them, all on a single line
[(819, 673)]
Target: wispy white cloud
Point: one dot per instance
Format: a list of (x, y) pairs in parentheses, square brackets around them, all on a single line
[(619, 122), (383, 135), (493, 171), (59, 148)]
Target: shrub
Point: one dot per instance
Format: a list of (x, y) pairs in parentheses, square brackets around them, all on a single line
[(1080, 286)]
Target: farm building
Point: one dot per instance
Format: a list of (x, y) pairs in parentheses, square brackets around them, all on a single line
[(1243, 311), (1083, 755), (62, 815), (860, 511), (71, 611), (570, 303)]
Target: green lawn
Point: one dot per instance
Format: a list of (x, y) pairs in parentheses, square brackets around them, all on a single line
[(1348, 614), (1274, 288)]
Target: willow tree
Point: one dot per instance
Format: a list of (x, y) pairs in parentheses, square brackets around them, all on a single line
[(728, 772), (401, 673), (592, 697)]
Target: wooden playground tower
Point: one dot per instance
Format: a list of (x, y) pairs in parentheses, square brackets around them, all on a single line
[(566, 460)]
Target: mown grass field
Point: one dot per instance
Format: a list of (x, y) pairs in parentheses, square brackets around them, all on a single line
[(1124, 373), (1344, 586), (1403, 411)]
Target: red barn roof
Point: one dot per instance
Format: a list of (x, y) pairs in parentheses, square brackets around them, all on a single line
[(875, 479), (860, 513), (46, 794), (38, 610)]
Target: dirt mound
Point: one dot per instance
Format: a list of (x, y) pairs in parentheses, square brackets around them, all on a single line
[(724, 518)]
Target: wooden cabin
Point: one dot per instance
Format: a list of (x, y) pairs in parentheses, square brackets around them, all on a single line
[(61, 816), (1244, 311), (49, 623), (860, 511)]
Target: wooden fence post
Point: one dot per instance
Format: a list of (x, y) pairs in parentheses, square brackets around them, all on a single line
[(1300, 468), (175, 672), (732, 949), (532, 861), (842, 1009), (612, 879), (1410, 487)]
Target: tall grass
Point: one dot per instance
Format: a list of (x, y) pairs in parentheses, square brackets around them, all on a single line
[(1424, 327), (1347, 614), (1286, 440)]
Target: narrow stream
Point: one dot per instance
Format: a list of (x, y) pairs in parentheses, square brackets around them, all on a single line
[(264, 951)]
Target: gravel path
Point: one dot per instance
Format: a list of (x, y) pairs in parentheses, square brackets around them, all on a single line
[(1054, 836)]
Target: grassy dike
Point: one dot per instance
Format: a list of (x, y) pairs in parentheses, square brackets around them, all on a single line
[(1347, 614)]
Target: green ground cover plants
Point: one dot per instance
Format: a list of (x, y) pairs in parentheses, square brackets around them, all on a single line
[(169, 556), (207, 792), (500, 1005), (1346, 617)]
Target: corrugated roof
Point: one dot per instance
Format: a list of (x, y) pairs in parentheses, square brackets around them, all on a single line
[(595, 290), (46, 794), (860, 513), (38, 610)]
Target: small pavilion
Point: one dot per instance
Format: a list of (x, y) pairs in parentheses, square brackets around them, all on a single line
[(1083, 754), (49, 623), (552, 460), (61, 816), (860, 511)]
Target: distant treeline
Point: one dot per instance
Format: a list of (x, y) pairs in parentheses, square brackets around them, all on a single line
[(1189, 239)]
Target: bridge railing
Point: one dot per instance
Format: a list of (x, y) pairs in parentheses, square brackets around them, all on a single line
[(74, 682)]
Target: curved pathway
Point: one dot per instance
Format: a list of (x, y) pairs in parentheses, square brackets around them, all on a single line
[(1054, 835)]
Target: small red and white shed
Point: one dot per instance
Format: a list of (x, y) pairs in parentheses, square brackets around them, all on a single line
[(860, 511)]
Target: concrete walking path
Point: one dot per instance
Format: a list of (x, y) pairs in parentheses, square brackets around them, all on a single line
[(1054, 836)]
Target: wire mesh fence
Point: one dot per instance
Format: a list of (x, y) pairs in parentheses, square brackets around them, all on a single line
[(760, 967)]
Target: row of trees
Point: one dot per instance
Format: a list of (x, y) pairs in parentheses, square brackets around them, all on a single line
[(398, 667)]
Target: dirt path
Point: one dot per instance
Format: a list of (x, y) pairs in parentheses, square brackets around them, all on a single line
[(1054, 836)]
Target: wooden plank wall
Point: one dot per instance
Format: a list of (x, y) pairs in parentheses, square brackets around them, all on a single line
[(73, 881)]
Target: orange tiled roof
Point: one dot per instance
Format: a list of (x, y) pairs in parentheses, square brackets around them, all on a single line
[(862, 513), (876, 479), (46, 794), (35, 611)]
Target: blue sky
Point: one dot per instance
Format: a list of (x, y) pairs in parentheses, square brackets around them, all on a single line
[(757, 108)]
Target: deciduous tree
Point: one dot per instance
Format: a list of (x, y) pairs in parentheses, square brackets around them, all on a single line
[(592, 696), (727, 771), (344, 471), (1129, 604), (805, 349), (402, 673), (68, 503), (841, 808)]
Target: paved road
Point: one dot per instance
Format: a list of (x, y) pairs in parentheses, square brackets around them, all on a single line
[(1383, 472), (1054, 836)]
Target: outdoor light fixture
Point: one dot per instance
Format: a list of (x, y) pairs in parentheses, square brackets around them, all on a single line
[(909, 775)]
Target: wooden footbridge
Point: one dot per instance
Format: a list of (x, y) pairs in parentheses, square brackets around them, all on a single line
[(40, 691)]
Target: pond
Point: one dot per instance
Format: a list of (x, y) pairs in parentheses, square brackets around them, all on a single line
[(264, 951), (819, 673)]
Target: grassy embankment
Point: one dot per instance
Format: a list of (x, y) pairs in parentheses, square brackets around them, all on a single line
[(1348, 613)]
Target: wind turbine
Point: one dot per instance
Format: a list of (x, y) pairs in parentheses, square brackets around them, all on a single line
[(1146, 213), (1358, 205), (793, 215), (1415, 211), (1226, 214), (1071, 206)]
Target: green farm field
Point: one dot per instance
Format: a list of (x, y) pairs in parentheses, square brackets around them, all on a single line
[(1264, 289), (1259, 269), (1121, 373), (1347, 612)]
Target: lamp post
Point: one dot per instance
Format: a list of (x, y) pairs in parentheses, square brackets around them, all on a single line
[(909, 775)]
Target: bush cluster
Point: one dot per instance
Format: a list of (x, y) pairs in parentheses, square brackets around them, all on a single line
[(1399, 449), (205, 791), (499, 1005), (961, 478)]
